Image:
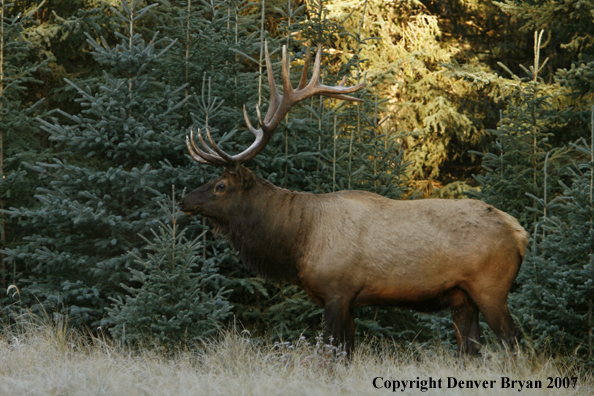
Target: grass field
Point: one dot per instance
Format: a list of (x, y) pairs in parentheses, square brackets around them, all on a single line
[(52, 360)]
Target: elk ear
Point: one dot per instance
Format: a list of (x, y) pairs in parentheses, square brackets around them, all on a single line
[(246, 177)]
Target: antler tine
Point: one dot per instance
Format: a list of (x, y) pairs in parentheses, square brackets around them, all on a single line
[(259, 115), (316, 88), (203, 143), (303, 81), (226, 157), (208, 155), (194, 156), (315, 76), (256, 132), (275, 98), (199, 155), (287, 88)]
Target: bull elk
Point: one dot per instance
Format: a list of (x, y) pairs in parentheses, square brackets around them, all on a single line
[(353, 248)]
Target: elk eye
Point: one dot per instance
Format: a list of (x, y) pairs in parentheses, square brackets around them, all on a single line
[(220, 187)]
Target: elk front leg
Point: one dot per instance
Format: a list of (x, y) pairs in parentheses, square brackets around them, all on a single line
[(340, 325)]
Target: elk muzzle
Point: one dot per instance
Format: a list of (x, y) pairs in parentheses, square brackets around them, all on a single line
[(186, 207)]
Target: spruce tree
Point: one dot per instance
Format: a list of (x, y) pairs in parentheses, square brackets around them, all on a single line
[(570, 31), (556, 302), (19, 68), (82, 239), (402, 60), (181, 298), (514, 171), (216, 55)]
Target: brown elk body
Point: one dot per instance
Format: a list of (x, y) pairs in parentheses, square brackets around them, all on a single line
[(353, 248)]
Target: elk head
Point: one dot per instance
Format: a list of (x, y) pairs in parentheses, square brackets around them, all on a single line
[(219, 198)]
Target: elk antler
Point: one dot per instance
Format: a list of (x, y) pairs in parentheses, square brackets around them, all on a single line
[(277, 109)]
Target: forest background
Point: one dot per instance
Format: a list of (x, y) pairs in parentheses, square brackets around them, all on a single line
[(491, 100)]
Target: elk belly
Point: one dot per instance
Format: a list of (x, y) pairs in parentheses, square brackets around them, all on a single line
[(420, 299)]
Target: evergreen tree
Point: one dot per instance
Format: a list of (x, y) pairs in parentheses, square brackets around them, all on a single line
[(570, 40), (515, 171), (215, 56), (180, 299), (570, 32), (19, 63), (56, 32), (82, 239), (434, 114), (556, 301)]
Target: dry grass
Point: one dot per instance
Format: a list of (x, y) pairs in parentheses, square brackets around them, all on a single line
[(51, 360)]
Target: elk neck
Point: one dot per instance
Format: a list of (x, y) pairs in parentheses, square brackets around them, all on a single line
[(270, 231)]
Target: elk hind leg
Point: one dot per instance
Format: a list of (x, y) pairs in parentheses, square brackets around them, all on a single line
[(466, 324), (496, 314), (501, 322), (340, 324)]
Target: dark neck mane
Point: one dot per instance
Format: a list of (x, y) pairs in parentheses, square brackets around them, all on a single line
[(270, 231)]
